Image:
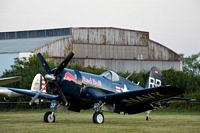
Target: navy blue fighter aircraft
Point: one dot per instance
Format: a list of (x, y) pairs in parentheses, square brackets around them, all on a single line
[(75, 90)]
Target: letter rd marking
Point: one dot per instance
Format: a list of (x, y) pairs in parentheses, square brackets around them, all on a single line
[(154, 82)]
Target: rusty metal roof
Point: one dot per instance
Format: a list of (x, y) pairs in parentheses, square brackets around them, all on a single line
[(117, 43)]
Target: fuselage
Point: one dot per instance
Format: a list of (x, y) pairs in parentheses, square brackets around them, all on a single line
[(79, 87), (108, 82)]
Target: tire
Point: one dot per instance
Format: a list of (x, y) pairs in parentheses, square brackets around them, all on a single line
[(98, 118), (47, 117), (148, 118)]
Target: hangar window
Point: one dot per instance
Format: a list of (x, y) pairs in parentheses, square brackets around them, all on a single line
[(110, 75)]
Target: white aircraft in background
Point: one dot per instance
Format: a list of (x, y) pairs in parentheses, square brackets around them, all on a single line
[(4, 91), (4, 81), (37, 84)]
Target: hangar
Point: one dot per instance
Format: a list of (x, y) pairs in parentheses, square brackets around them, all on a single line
[(117, 49)]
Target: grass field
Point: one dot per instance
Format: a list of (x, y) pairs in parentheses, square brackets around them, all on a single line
[(161, 122)]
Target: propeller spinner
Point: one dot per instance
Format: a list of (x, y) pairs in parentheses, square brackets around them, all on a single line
[(51, 77)]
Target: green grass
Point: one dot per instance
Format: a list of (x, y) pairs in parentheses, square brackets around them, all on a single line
[(161, 121)]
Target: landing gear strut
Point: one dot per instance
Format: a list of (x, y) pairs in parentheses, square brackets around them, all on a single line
[(98, 116), (148, 115)]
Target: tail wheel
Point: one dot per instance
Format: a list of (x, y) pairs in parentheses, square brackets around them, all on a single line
[(98, 118), (148, 118), (48, 117)]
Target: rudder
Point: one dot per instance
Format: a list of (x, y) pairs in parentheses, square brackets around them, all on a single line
[(154, 78)]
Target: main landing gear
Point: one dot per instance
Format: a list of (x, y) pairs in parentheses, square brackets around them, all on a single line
[(49, 116), (98, 116)]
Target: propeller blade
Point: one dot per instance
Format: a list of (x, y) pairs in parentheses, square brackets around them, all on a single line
[(64, 63), (44, 63), (36, 96), (62, 95)]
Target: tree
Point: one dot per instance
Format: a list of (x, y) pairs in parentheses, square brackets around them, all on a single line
[(27, 68), (191, 64), (188, 79)]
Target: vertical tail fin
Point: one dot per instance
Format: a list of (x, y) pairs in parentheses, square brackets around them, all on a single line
[(37, 84), (43, 85), (154, 78)]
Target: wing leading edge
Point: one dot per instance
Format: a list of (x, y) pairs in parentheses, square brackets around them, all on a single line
[(128, 98), (142, 96), (33, 93), (4, 81)]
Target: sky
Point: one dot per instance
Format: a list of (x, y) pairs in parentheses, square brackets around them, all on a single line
[(172, 23)]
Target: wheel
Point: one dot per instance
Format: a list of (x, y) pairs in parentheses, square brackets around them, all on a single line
[(48, 118), (148, 118), (98, 118)]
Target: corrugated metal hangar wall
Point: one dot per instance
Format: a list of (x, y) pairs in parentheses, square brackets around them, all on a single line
[(113, 48)]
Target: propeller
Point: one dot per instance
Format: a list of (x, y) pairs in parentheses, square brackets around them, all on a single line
[(36, 96), (44, 63), (51, 77), (64, 63)]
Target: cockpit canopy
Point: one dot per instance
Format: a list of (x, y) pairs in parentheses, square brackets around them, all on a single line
[(110, 75)]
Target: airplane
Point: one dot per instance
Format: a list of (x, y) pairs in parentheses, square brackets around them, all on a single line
[(9, 80), (4, 92), (37, 84), (74, 90)]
